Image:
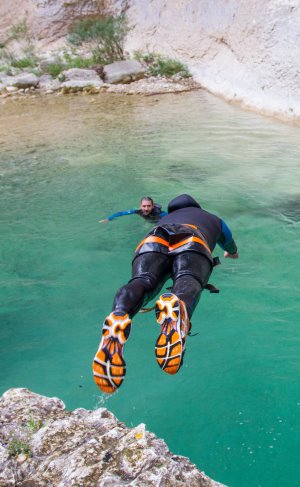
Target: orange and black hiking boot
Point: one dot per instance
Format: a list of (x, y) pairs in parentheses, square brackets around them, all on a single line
[(109, 366), (171, 314)]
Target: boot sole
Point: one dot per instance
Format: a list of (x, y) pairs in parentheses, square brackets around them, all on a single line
[(109, 366), (170, 345)]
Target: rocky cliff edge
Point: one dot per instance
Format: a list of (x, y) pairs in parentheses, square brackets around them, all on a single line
[(43, 444)]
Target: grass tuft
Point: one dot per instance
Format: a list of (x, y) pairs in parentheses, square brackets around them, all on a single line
[(158, 65)]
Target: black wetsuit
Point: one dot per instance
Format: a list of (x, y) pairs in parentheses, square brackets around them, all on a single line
[(179, 247)]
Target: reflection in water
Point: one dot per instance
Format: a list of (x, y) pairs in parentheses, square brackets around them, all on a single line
[(67, 162)]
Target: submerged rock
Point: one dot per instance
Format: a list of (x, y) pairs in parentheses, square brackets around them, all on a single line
[(43, 444)]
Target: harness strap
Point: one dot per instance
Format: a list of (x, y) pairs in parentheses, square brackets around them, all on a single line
[(212, 289)]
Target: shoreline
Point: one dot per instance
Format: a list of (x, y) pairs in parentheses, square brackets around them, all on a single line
[(254, 103), (240, 53), (152, 86), (144, 87)]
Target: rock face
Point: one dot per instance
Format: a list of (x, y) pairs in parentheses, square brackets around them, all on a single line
[(246, 52), (42, 444), (49, 20)]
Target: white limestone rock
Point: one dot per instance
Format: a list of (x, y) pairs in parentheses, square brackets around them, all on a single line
[(80, 78), (23, 80), (246, 52), (79, 74), (123, 71), (48, 84)]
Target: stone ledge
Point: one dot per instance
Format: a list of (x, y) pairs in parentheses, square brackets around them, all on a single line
[(43, 444)]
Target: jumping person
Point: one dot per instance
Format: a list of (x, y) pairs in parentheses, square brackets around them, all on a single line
[(180, 247), (148, 210)]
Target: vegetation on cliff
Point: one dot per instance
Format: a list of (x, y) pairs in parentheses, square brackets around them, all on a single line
[(92, 42)]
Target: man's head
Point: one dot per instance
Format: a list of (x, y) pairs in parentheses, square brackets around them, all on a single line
[(146, 205), (182, 201)]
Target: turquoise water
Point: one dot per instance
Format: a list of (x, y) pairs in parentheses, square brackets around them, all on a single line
[(67, 162)]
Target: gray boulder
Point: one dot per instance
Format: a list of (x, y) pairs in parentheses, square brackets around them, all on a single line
[(3, 76), (80, 78), (48, 83), (23, 81), (3, 81), (79, 74), (123, 71)]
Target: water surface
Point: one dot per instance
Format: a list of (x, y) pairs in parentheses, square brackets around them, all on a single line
[(67, 162)]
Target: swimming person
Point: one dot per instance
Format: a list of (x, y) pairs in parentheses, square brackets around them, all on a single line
[(148, 210), (180, 247)]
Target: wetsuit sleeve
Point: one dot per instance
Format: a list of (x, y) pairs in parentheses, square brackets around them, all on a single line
[(162, 213), (121, 213), (225, 239)]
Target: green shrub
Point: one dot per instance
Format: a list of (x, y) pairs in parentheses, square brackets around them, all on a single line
[(20, 33), (168, 68), (158, 65), (25, 62), (146, 58), (104, 36), (76, 61), (33, 425), (16, 447), (21, 444), (79, 62), (19, 30), (5, 55), (54, 69)]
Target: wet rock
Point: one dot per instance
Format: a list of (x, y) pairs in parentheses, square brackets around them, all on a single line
[(43, 444), (123, 71)]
